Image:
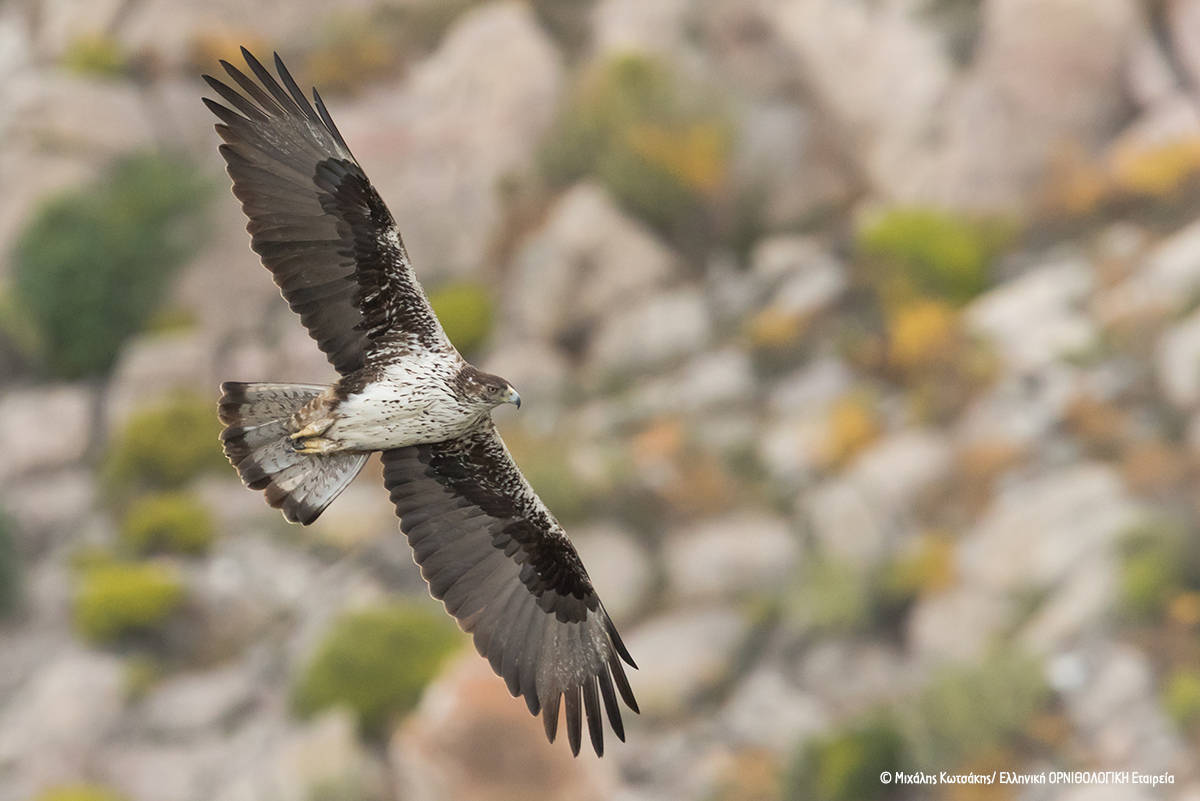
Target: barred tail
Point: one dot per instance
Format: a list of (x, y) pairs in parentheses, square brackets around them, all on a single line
[(256, 418)]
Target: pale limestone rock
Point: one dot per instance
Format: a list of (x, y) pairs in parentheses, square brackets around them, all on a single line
[(710, 380), (879, 72), (1037, 318), (735, 555), (1020, 409), (46, 427), (682, 653), (1036, 533), (587, 259), (769, 711), (1080, 605), (660, 328), (806, 275), (439, 148), (325, 753), (1151, 78), (470, 739), (860, 516), (782, 151), (792, 442), (1170, 275), (361, 514), (150, 369), (811, 388), (61, 23), (99, 117), (959, 624), (166, 771), (1178, 362), (631, 26), (50, 507), (191, 703), (170, 28), (232, 294), (58, 722), (852, 677), (1184, 23), (1047, 75), (1170, 122), (1118, 716)]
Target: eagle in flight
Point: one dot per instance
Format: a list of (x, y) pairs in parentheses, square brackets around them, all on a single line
[(489, 548)]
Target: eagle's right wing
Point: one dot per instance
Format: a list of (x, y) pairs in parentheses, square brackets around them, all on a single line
[(322, 230), (506, 571)]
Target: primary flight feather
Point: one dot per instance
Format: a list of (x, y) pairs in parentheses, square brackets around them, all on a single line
[(489, 548)]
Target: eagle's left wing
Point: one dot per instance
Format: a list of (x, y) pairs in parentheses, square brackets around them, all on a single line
[(502, 565), (318, 224)]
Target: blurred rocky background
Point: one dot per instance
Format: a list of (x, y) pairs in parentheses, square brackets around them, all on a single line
[(860, 349)]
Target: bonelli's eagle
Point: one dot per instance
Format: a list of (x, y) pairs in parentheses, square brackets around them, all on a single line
[(486, 544)]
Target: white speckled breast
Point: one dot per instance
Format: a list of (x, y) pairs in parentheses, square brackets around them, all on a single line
[(413, 404)]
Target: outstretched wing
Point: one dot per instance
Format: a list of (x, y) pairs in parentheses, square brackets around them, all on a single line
[(320, 227), (502, 565)]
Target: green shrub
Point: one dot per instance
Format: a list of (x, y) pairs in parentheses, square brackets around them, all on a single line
[(1182, 697), (661, 147), (94, 263), (10, 568), (846, 765), (969, 711), (831, 596), (142, 672), (95, 55), (79, 792), (170, 320), (165, 446), (115, 599), (1153, 569), (167, 522), (377, 662), (930, 252), (465, 311)]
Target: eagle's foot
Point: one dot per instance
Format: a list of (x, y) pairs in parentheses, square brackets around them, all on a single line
[(311, 446), (314, 429)]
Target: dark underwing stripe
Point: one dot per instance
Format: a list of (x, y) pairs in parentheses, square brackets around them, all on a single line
[(506, 572)]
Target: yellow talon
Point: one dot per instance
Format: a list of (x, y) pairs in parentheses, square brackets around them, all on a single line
[(312, 446)]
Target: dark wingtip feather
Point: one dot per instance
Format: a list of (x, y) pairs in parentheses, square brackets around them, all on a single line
[(616, 640), (294, 90), (550, 717), (622, 682), (595, 723), (574, 721), (610, 705)]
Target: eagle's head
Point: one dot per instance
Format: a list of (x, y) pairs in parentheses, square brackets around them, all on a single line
[(480, 389)]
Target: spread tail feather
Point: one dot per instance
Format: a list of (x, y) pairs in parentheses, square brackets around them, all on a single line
[(256, 418)]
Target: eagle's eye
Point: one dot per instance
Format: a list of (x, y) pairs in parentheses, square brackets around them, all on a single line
[(492, 389)]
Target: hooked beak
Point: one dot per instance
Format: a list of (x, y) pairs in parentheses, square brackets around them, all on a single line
[(512, 397)]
